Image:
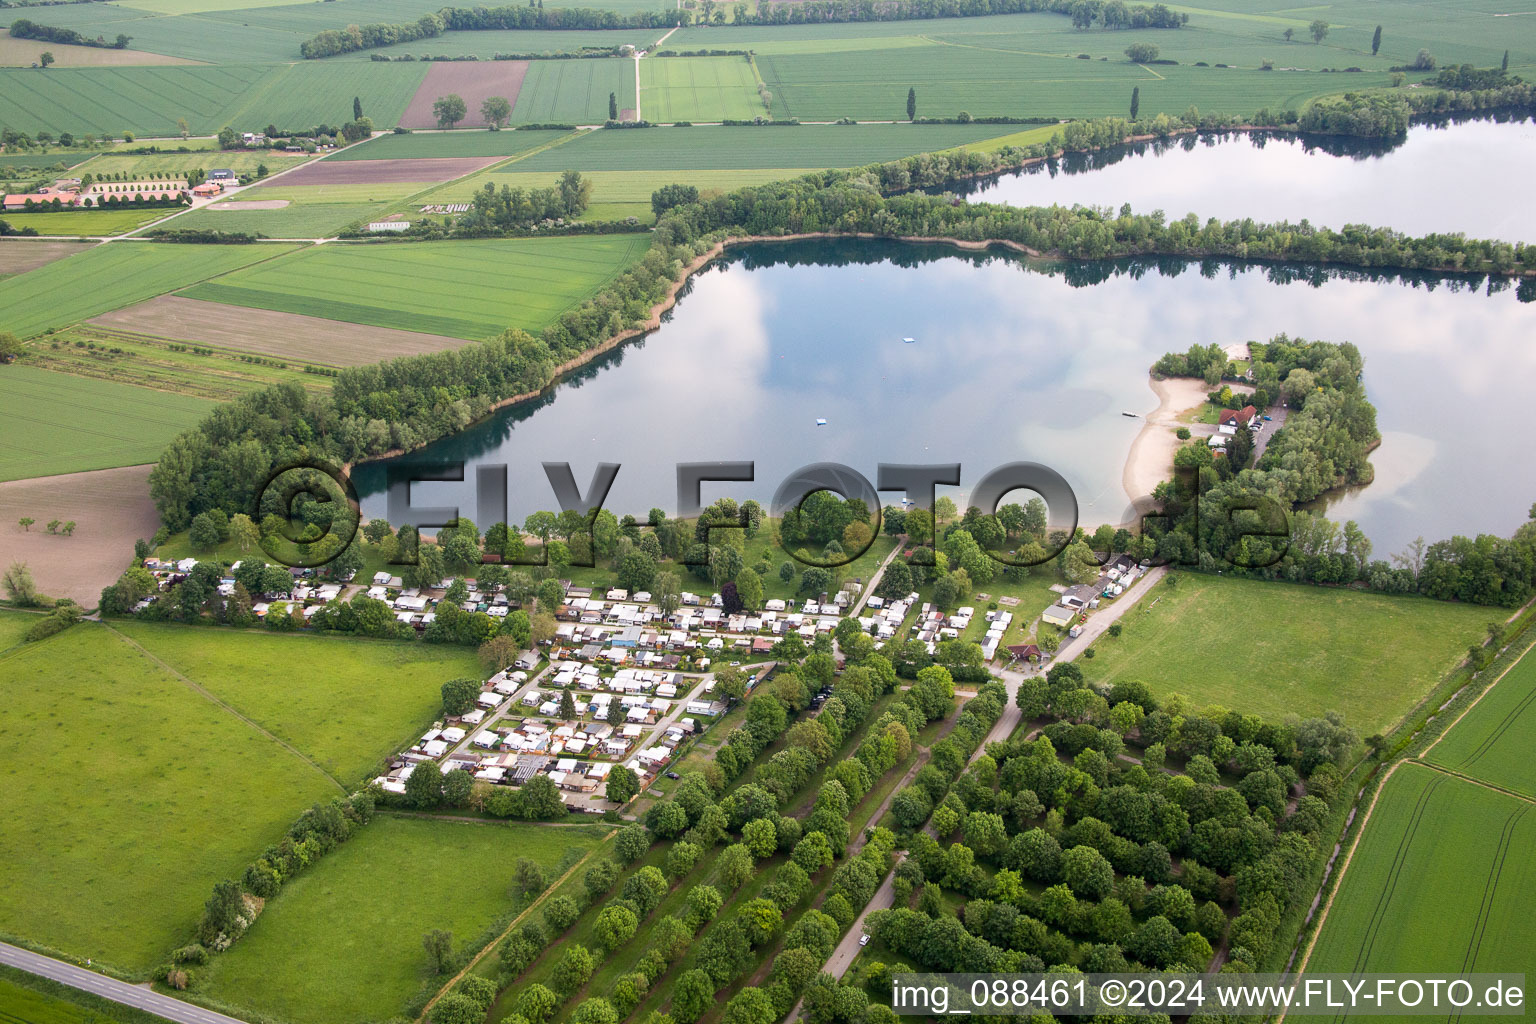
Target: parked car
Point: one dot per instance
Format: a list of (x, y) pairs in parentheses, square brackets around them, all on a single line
[(673, 775), (863, 940)]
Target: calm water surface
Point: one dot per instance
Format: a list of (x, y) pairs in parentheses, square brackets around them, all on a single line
[(1469, 177), (1013, 361)]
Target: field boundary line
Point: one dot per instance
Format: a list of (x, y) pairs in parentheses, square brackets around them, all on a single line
[(1467, 710), (513, 924), (1441, 769), (213, 699)]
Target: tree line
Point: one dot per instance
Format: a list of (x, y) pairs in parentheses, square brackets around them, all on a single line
[(24, 28)]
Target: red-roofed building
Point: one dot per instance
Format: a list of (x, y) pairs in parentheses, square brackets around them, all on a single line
[(1231, 419), (17, 203)]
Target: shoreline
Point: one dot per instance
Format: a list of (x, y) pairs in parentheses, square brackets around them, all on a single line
[(1150, 458)]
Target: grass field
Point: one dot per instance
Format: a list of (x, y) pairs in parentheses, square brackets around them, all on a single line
[(471, 290), (149, 101), (620, 194), (118, 274), (144, 166), (170, 793), (1441, 880), (56, 423), (296, 220), (1274, 649), (718, 148), (488, 44), (1494, 740), (447, 144), (698, 89), (346, 703), (22, 53), (342, 942), (151, 362), (573, 91), (29, 999), (87, 223), (12, 626)]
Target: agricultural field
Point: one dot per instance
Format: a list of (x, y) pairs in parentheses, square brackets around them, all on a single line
[(465, 289), (342, 942), (20, 257), (144, 166), (620, 194), (150, 361), (1290, 649), (164, 803), (1493, 741), (699, 89), (57, 423), (486, 45), (435, 144), (721, 148), (573, 91), (345, 703), (1440, 880), (149, 101), (24, 53), (122, 273), (89, 223)]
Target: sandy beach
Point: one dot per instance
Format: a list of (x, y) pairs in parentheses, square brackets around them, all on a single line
[(1150, 460)]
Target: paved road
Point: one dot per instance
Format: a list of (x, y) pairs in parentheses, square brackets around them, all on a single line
[(110, 988)]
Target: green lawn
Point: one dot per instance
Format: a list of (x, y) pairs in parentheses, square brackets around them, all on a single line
[(573, 91), (137, 794), (1442, 876), (1493, 742), (429, 144), (342, 942), (12, 625), (698, 89), (29, 999), (344, 702), (1275, 649), (92, 223), (462, 289), (112, 276), (59, 423)]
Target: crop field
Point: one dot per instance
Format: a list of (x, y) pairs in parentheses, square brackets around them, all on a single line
[(88, 223), (44, 157), (20, 257), (155, 165), (417, 145), (151, 361), (56, 423), (698, 89), (1298, 649), (487, 44), (164, 803), (292, 220), (343, 702), (342, 942), (121, 274), (1493, 742), (573, 91), (419, 170), (721, 148), (1439, 881), (469, 289), (22, 53), (149, 101)]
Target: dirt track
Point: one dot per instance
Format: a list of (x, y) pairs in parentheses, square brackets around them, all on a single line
[(270, 333), (20, 257), (476, 81), (111, 509), (427, 170)]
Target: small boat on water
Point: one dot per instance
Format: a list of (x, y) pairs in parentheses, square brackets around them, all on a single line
[(1132, 415), (821, 422), (909, 341)]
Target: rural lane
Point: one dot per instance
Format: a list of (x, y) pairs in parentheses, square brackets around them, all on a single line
[(109, 988)]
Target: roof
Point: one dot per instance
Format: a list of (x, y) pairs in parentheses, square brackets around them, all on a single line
[(1242, 415)]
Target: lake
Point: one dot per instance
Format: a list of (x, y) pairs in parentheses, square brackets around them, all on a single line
[(1459, 177), (1011, 361)]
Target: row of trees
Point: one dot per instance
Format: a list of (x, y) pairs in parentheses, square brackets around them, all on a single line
[(24, 28)]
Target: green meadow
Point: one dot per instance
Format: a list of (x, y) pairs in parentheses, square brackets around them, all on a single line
[(573, 91), (165, 793), (430, 144), (341, 944), (117, 274), (1274, 649), (88, 223), (1493, 742), (698, 89), (60, 423), (346, 703), (1440, 877), (462, 289)]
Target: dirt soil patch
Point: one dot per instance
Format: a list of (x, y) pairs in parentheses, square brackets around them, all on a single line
[(426, 170), (20, 257), (21, 53), (254, 204), (312, 339), (111, 509), (475, 81)]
